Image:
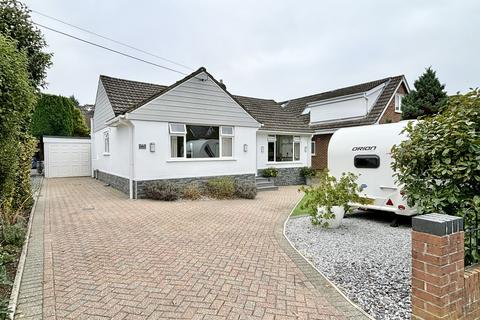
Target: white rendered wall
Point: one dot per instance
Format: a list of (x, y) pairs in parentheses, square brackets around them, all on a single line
[(117, 161), (159, 164), (262, 157)]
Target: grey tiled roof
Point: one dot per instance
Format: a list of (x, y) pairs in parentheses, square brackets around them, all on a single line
[(126, 94), (297, 106), (272, 116)]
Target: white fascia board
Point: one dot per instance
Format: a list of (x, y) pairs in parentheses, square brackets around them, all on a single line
[(347, 97), (287, 132), (337, 120), (51, 139), (333, 100)]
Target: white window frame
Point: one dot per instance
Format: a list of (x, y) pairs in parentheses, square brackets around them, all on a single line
[(295, 139), (398, 102), (106, 143), (176, 133), (184, 136), (313, 147), (229, 136)]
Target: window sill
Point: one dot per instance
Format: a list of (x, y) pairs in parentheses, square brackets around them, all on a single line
[(200, 159), (396, 111), (281, 162), (106, 153)]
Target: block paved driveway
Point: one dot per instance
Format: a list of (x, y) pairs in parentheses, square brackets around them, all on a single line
[(108, 257)]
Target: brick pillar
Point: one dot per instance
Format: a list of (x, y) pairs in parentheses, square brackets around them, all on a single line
[(437, 267)]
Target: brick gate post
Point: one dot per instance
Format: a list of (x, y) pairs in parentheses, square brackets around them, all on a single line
[(437, 267)]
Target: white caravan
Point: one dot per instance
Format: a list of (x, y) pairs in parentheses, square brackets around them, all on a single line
[(366, 152)]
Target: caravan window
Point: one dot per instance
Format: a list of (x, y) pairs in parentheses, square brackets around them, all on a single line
[(366, 161)]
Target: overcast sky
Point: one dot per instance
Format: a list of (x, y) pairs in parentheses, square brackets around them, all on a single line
[(266, 49)]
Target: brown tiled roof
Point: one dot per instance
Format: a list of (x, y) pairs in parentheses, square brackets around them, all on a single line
[(271, 115), (126, 94), (297, 106)]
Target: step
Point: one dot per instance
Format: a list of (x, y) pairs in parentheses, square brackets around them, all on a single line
[(259, 179), (266, 188), (265, 183)]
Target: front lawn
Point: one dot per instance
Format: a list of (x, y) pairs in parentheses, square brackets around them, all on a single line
[(298, 211)]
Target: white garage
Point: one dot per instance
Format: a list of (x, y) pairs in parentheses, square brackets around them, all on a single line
[(67, 157)]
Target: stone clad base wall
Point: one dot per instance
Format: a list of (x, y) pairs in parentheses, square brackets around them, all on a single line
[(200, 181), (119, 183), (287, 177)]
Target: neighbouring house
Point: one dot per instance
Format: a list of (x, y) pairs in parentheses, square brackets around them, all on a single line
[(369, 103), (192, 130)]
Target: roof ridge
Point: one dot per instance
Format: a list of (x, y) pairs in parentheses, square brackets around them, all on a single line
[(343, 88), (249, 97), (102, 76)]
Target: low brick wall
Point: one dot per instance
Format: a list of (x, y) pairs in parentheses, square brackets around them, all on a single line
[(114, 181), (441, 287), (200, 181), (287, 177)]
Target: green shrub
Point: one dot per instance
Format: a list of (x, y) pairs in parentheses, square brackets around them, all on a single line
[(221, 188), (4, 311), (13, 234), (270, 172), (17, 98), (191, 192), (308, 172), (161, 190), (439, 164), (246, 190)]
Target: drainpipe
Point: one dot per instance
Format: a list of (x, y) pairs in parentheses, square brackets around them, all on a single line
[(92, 147), (131, 161)]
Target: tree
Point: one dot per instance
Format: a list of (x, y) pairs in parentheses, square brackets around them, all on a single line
[(80, 128), (428, 98), (58, 116), (439, 164), (15, 22), (53, 116), (17, 98)]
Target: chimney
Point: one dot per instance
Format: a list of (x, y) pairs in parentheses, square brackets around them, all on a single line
[(224, 87)]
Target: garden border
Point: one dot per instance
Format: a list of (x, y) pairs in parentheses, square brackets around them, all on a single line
[(315, 276), (13, 301)]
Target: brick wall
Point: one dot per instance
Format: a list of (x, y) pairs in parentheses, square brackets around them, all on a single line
[(320, 159), (390, 115), (441, 287)]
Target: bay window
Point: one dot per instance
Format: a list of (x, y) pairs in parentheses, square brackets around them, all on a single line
[(283, 148), (200, 141)]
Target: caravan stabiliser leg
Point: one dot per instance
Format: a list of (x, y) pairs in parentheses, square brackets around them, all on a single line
[(394, 222)]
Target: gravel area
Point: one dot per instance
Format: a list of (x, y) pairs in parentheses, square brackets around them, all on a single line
[(36, 183), (366, 258)]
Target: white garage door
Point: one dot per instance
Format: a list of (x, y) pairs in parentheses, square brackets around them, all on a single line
[(67, 157)]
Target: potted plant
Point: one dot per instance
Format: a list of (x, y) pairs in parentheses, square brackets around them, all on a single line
[(328, 201), (309, 174)]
